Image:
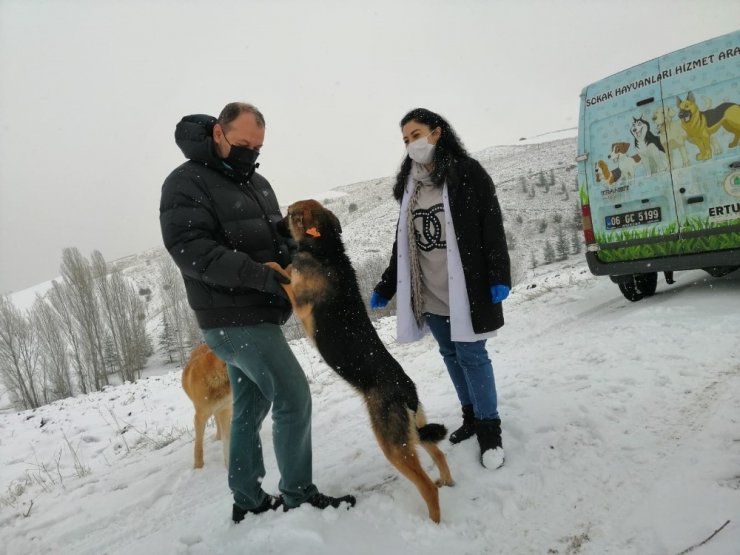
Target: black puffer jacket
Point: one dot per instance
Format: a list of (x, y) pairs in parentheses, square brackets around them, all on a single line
[(220, 228), (479, 230)]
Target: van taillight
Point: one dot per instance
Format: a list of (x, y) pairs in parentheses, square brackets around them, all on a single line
[(588, 228)]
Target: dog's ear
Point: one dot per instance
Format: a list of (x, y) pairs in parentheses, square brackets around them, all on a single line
[(690, 97), (328, 219), (678, 101)]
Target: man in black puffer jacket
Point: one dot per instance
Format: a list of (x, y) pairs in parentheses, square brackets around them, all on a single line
[(218, 220)]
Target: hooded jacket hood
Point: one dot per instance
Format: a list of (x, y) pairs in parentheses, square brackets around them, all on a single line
[(194, 136)]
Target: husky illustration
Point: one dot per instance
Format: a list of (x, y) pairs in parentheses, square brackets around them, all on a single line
[(648, 147)]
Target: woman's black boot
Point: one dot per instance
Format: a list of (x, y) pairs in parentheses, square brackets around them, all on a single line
[(467, 430), (489, 439)]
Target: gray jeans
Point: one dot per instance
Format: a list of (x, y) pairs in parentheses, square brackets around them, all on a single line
[(263, 371)]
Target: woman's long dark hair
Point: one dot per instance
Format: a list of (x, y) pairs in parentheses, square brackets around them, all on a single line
[(449, 149)]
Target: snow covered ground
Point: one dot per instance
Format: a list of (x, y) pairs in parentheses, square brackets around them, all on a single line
[(621, 426)]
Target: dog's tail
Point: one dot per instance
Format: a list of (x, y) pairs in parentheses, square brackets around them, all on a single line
[(432, 433)]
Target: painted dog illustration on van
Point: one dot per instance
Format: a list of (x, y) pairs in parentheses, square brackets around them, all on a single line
[(652, 154), (700, 125), (626, 163), (604, 174), (671, 133)]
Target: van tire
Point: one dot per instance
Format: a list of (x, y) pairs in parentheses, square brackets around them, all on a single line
[(639, 286), (719, 271)]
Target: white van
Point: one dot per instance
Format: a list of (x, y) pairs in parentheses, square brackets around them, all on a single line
[(659, 167)]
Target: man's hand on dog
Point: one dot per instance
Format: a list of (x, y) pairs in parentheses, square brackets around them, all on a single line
[(274, 283)]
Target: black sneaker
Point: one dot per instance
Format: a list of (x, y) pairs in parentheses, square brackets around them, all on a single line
[(321, 501), (270, 503)]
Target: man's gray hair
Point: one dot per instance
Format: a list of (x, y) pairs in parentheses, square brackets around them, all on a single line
[(232, 111)]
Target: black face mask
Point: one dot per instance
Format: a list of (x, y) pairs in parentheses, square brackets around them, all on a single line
[(242, 159)]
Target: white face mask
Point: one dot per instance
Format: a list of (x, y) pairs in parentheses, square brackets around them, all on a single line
[(421, 150)]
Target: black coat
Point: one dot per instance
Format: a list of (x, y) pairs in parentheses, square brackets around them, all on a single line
[(479, 230), (219, 228)]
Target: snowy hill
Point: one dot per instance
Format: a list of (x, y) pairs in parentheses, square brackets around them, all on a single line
[(368, 212), (621, 425)]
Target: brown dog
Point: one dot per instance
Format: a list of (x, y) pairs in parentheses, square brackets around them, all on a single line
[(327, 300), (206, 382)]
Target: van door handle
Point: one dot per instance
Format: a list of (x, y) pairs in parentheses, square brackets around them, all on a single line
[(735, 165), (646, 101), (694, 200)]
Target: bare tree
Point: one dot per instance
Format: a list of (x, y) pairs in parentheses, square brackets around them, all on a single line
[(48, 327), (59, 300), (180, 331), (124, 314), (99, 269), (77, 274), (18, 355)]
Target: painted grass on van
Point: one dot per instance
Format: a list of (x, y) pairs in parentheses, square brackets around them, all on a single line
[(636, 252), (720, 242), (692, 245), (698, 224), (712, 243)]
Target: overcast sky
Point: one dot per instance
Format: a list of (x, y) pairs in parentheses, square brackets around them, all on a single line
[(90, 92)]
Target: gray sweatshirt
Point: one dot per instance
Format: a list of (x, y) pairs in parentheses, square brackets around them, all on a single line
[(431, 241)]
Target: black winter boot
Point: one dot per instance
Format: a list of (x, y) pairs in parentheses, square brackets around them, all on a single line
[(321, 501), (467, 430), (269, 504), (489, 439)]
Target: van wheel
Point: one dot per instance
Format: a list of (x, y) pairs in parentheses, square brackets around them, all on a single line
[(719, 271), (641, 285)]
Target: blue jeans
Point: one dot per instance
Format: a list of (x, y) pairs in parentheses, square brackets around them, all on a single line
[(469, 367), (263, 371)]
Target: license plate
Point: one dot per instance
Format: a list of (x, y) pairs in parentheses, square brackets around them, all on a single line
[(629, 219)]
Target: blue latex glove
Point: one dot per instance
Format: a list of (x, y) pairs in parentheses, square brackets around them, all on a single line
[(499, 293), (377, 301)]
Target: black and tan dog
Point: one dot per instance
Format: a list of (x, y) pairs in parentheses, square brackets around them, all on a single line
[(699, 125), (326, 298)]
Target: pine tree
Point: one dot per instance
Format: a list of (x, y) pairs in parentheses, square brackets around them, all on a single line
[(166, 337), (577, 216), (576, 241), (548, 253), (561, 244)]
